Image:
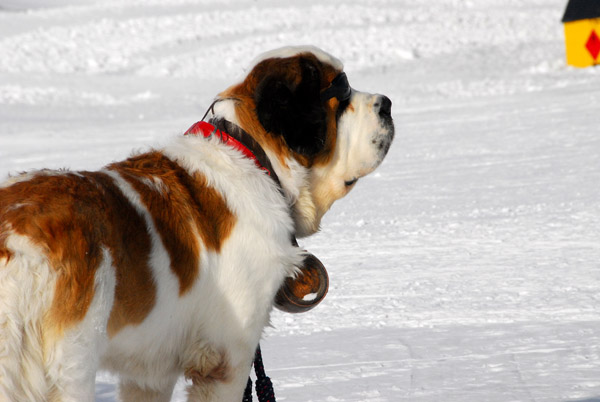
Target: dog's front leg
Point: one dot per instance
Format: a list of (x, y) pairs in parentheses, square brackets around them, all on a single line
[(216, 375), (132, 392)]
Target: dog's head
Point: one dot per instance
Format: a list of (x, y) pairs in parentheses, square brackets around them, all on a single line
[(320, 134)]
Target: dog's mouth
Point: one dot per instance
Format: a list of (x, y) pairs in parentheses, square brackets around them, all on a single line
[(350, 183)]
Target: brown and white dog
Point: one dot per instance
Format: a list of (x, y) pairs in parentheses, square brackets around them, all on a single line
[(168, 263)]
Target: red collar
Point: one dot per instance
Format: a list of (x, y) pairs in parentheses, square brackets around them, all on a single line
[(206, 129)]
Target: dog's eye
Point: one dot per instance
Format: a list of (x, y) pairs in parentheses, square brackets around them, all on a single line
[(350, 183), (339, 88)]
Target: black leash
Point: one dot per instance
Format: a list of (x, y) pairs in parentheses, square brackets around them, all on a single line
[(264, 386)]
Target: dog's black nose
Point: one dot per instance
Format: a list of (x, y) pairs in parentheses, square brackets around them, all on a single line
[(385, 105)]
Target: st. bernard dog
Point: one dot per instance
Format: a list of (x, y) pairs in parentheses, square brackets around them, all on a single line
[(168, 263)]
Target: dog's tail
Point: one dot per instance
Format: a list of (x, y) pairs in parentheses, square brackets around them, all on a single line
[(25, 287)]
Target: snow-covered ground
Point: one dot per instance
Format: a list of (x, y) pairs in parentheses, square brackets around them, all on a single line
[(467, 268)]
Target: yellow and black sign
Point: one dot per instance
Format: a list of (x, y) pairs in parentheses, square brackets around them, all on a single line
[(582, 32)]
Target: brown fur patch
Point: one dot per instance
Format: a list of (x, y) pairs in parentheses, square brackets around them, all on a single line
[(72, 217), (5, 253), (130, 246), (246, 108), (182, 207)]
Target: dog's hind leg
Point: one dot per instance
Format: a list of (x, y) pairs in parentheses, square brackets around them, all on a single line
[(71, 367), (216, 375), (26, 290), (72, 360), (220, 389)]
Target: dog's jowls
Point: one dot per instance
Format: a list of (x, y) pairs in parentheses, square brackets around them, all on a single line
[(167, 263)]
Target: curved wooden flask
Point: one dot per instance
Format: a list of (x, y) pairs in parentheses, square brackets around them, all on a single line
[(303, 293)]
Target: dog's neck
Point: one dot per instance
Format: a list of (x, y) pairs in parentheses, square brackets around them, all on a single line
[(247, 142), (292, 175)]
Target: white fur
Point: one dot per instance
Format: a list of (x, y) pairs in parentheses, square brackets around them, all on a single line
[(360, 131), (26, 290)]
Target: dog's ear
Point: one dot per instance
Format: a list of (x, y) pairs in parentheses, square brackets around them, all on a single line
[(294, 111)]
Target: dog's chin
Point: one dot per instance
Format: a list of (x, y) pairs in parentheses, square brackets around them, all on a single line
[(306, 219)]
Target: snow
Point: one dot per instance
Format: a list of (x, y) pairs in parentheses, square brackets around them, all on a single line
[(467, 268)]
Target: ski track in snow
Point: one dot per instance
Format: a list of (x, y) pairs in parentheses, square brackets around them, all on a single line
[(467, 268)]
